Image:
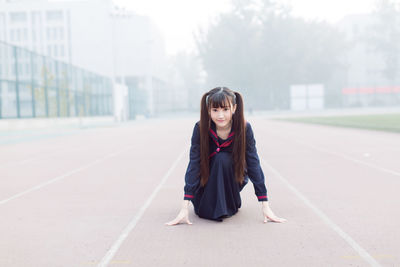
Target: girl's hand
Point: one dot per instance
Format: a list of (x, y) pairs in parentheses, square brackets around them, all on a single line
[(183, 217), (269, 215)]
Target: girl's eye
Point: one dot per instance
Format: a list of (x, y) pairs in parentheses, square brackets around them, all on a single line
[(225, 108)]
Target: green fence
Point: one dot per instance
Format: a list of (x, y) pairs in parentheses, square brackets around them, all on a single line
[(33, 85)]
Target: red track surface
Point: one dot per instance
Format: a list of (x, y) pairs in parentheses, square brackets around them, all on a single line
[(68, 200)]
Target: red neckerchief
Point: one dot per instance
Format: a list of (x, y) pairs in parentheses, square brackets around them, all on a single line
[(214, 136)]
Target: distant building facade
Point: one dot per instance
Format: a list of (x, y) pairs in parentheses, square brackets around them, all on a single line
[(97, 36)]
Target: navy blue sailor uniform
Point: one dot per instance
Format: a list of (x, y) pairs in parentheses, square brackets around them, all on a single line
[(220, 197)]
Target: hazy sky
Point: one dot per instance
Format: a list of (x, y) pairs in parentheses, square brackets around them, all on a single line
[(179, 18)]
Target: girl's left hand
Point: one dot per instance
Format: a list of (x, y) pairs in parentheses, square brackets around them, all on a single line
[(269, 215)]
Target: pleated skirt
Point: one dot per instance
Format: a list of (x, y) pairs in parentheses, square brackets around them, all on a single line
[(220, 197)]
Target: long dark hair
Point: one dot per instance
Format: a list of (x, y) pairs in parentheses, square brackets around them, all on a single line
[(220, 97)]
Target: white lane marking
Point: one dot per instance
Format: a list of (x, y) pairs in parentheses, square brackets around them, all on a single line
[(24, 161), (362, 252), (114, 248), (37, 187), (371, 165)]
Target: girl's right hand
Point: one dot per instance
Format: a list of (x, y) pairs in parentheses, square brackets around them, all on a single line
[(183, 217)]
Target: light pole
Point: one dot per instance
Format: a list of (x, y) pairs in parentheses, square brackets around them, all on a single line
[(149, 78)]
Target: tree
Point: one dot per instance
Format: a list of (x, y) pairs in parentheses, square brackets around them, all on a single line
[(260, 49), (186, 68), (385, 37)]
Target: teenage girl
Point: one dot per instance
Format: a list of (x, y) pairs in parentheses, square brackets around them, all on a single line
[(223, 156)]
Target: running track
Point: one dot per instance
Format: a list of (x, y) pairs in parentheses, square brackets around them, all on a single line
[(101, 196)]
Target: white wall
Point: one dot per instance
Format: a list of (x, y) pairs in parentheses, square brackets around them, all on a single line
[(139, 47), (88, 30), (307, 97)]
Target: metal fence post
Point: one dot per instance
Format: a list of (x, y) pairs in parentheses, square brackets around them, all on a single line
[(33, 88), (57, 89), (75, 75), (97, 95), (84, 94), (67, 83), (102, 97), (46, 98), (16, 82)]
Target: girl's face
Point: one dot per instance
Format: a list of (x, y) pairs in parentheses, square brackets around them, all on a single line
[(222, 116)]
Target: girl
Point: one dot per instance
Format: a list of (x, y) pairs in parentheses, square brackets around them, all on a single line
[(223, 156)]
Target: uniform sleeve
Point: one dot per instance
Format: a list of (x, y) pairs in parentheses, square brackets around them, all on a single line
[(254, 170), (192, 176)]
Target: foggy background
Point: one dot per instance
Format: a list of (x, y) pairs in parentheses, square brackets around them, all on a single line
[(152, 58)]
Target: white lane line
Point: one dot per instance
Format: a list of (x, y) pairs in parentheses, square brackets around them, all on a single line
[(37, 187), (28, 160), (362, 252), (344, 156), (114, 248), (371, 165)]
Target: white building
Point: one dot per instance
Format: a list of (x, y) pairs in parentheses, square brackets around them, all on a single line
[(91, 34)]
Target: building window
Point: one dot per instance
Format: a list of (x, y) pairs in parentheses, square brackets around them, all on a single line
[(62, 52), (17, 17), (33, 35), (48, 34), (25, 34), (54, 15), (55, 37), (49, 50), (20, 69), (18, 35), (2, 21), (55, 50), (12, 35), (35, 16), (61, 33)]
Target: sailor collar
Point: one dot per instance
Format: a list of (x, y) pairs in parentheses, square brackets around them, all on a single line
[(213, 134)]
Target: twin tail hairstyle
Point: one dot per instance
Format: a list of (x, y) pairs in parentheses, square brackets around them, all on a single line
[(221, 97)]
